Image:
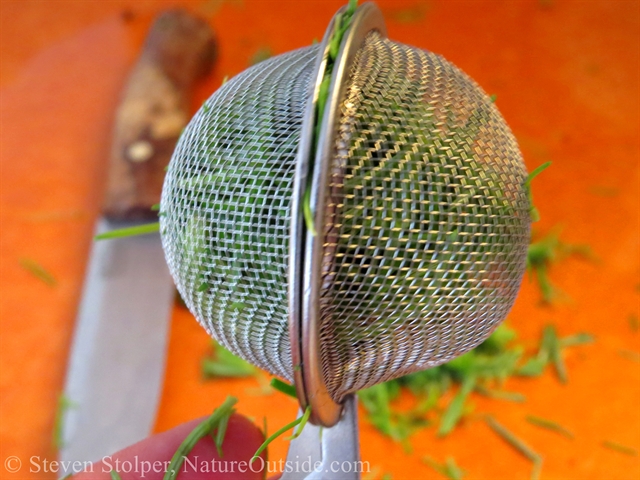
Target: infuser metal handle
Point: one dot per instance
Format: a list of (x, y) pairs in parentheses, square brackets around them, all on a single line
[(327, 453)]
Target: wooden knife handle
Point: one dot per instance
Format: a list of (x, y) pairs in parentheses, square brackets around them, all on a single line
[(153, 110)]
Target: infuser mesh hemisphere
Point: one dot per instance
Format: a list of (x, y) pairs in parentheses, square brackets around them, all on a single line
[(427, 219), (225, 209)]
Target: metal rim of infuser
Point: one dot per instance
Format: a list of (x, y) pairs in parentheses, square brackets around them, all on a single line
[(305, 256)]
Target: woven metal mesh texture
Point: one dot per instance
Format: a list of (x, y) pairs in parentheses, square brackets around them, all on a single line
[(225, 210), (427, 220)]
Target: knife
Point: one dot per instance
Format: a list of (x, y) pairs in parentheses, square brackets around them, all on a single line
[(116, 364)]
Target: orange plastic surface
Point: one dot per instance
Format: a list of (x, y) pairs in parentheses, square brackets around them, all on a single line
[(566, 78)]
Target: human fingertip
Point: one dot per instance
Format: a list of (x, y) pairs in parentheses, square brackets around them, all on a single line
[(151, 457)]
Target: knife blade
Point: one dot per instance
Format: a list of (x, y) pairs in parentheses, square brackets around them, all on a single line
[(115, 370), (116, 364)]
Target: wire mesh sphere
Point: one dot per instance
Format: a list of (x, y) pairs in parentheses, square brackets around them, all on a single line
[(426, 218), (427, 222), (225, 208)]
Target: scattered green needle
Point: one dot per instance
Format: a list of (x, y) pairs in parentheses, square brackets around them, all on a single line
[(216, 368), (376, 400), (342, 23), (490, 364), (412, 14), (449, 469), (551, 351), (38, 271), (372, 474), (266, 453), (552, 343), (219, 417), (604, 191), (130, 231), (334, 42), (261, 54), (630, 355), (351, 7), (223, 363), (218, 436), (456, 408), (64, 404), (543, 253), (519, 445), (454, 471), (501, 394), (303, 422), (284, 387), (537, 171), (577, 339), (533, 367), (549, 425), (323, 96), (620, 448), (533, 211), (287, 427), (114, 475), (307, 212)]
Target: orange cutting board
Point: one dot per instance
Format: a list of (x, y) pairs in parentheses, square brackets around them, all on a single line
[(566, 78)]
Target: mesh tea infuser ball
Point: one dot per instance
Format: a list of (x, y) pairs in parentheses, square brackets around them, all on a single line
[(417, 214)]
